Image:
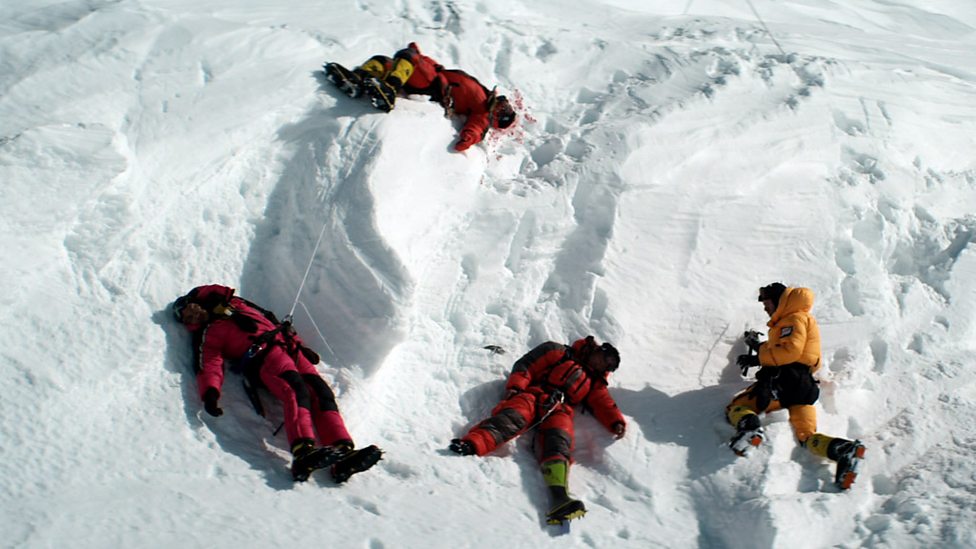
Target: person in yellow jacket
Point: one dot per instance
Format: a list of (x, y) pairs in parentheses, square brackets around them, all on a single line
[(785, 379)]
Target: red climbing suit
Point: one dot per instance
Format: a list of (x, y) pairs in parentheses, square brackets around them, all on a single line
[(537, 380)]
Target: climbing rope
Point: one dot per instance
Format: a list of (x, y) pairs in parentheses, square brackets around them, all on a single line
[(763, 23)]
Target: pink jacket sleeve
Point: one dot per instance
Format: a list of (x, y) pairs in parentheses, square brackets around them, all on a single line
[(211, 367)]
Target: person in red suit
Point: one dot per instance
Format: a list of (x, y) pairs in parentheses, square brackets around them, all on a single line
[(269, 353), (382, 78), (463, 95), (544, 387)]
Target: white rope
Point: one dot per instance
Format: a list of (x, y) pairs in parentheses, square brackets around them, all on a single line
[(311, 259), (307, 269), (301, 286), (322, 337), (763, 23)]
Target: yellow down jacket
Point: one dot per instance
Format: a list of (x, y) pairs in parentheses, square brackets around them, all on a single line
[(794, 336)]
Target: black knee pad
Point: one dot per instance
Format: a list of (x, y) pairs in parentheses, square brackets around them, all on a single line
[(555, 442), (294, 380), (323, 393), (504, 425)]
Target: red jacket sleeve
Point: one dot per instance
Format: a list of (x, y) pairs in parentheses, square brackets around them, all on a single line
[(474, 130), (604, 407), (526, 369)]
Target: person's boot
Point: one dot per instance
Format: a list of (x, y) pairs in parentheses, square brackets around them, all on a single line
[(354, 461), (848, 454), (749, 435), (462, 447), (382, 93), (562, 507), (306, 458), (349, 82)]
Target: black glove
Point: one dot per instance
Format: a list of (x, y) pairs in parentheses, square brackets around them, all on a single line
[(747, 361), (752, 341), (210, 398), (619, 429)]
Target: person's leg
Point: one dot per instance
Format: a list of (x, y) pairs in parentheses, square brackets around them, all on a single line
[(329, 424), (742, 405), (279, 375), (376, 74), (743, 414), (847, 453), (508, 420), (556, 443), (401, 72), (377, 67), (803, 419)]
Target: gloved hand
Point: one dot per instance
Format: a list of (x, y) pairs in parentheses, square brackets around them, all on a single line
[(747, 361), (619, 429), (464, 143), (210, 398), (752, 341)]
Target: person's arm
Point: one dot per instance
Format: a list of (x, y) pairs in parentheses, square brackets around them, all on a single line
[(211, 362), (605, 409), (532, 364), (474, 130)]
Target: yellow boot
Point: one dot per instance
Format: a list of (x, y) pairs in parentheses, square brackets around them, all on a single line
[(847, 453), (561, 507)]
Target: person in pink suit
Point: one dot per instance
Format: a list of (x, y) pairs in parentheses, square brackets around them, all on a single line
[(269, 353)]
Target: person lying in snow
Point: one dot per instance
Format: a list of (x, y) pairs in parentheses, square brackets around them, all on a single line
[(542, 390), (785, 380), (270, 353), (381, 78)]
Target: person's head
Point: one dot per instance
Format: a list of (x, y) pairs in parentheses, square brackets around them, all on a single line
[(502, 114), (604, 359), (189, 312), (769, 296)]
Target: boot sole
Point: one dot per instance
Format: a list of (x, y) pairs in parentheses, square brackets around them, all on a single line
[(848, 478), (556, 518), (367, 463), (327, 459), (754, 442), (341, 81), (377, 98)]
